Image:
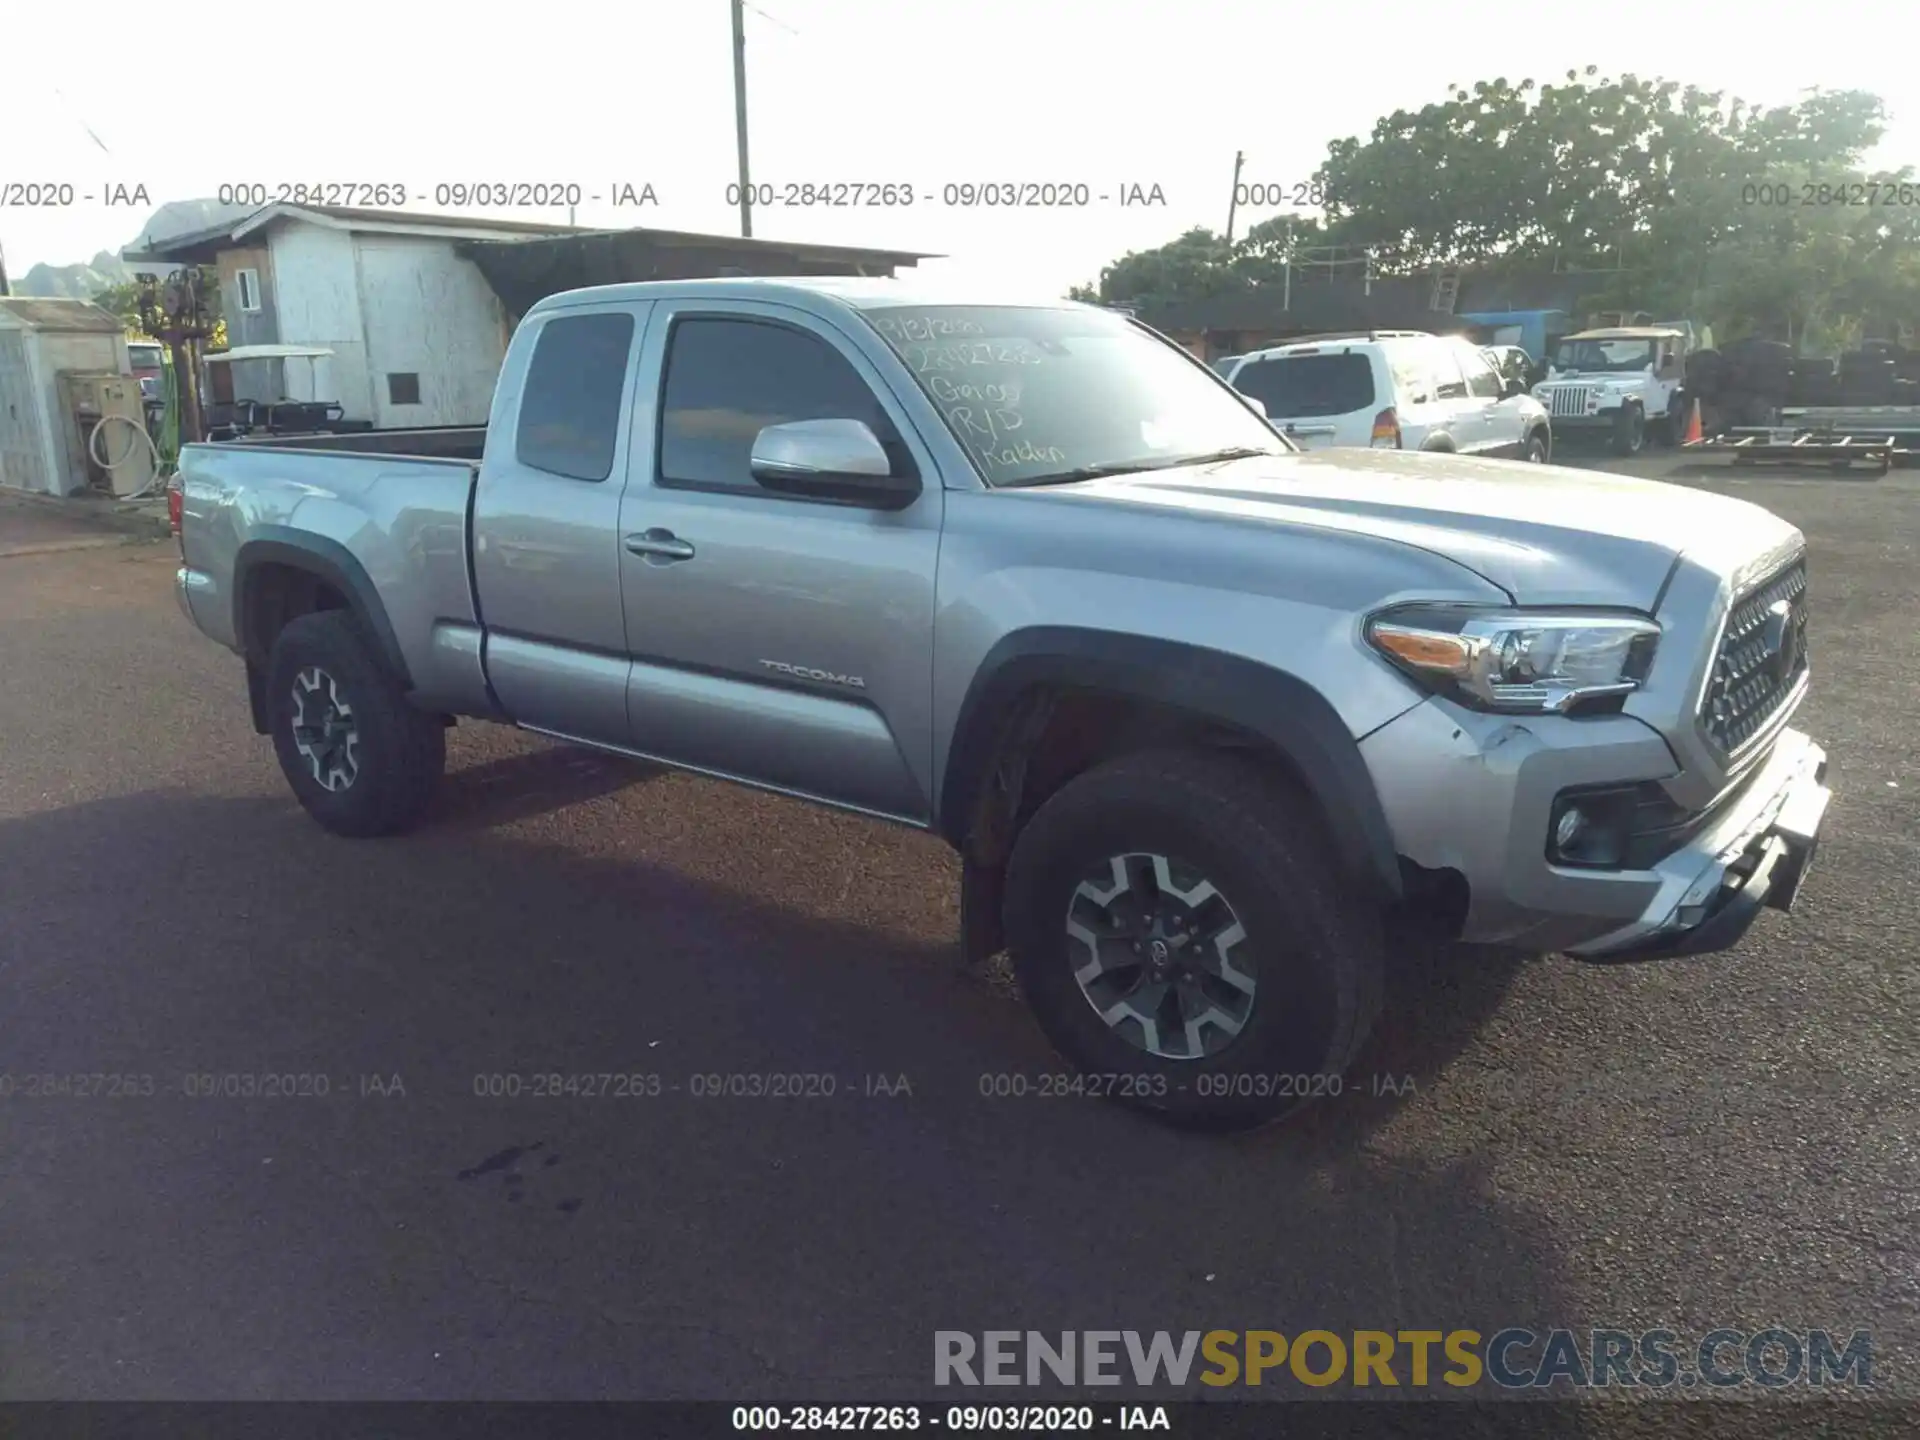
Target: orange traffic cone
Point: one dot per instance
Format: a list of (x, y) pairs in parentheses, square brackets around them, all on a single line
[(1693, 437)]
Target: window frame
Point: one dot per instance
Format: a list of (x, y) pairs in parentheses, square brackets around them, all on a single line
[(1365, 363), (247, 278), (1473, 365), (1444, 362), (659, 479), (414, 376), (623, 417)]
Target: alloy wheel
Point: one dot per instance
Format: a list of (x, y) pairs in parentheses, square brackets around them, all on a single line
[(1156, 954), (324, 731)]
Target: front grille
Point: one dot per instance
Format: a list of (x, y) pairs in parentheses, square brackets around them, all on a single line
[(1568, 400), (1763, 654)]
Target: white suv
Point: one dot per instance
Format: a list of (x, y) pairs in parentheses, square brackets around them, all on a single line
[(1394, 390)]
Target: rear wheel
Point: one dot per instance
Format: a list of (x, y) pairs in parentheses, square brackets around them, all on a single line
[(360, 759), (1184, 941)]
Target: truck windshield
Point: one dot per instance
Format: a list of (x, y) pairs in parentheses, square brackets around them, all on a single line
[(1039, 395), (1590, 356)]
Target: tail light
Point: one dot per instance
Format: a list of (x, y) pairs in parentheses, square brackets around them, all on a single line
[(1386, 430), (175, 504)]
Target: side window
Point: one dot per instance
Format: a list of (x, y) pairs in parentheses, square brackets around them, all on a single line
[(1448, 382), (570, 408), (1412, 378), (1482, 380), (727, 380)]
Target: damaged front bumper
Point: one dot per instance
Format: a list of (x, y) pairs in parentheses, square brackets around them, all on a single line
[(1475, 794), (1754, 859)]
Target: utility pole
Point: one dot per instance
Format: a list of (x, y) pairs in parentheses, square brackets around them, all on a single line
[(1286, 270), (740, 115), (4, 289), (1233, 203)]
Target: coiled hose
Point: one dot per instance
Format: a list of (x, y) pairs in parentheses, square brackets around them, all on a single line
[(140, 438), (165, 455)]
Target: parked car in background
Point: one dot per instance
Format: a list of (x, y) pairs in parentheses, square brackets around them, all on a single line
[(147, 360), (1624, 383), (1394, 390), (1224, 365)]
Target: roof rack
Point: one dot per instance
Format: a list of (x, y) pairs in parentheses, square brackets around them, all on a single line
[(1350, 335)]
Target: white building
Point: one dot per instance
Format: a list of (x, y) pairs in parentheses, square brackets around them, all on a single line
[(43, 341), (416, 332)]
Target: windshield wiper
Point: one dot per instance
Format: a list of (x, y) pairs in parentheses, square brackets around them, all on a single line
[(1137, 467)]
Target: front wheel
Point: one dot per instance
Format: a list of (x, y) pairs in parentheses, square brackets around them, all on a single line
[(1185, 943), (1535, 450), (360, 759), (1629, 430)]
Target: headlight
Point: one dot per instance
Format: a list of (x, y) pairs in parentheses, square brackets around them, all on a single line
[(1516, 661)]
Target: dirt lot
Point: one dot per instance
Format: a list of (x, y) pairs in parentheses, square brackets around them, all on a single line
[(1723, 1142)]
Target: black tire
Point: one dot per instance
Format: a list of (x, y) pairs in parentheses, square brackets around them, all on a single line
[(1671, 428), (1313, 948), (1537, 449), (1629, 430), (397, 752)]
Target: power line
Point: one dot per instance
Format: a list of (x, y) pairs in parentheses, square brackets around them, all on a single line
[(771, 19), (81, 120)]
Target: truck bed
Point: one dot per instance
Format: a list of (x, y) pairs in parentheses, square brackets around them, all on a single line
[(444, 442), (394, 526)]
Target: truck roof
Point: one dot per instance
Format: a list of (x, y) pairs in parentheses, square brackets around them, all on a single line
[(1626, 332), (807, 291)]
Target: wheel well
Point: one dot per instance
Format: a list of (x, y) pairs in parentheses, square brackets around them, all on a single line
[(277, 593), (1053, 734), (1060, 733)]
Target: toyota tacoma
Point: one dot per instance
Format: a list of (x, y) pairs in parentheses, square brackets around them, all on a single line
[(1200, 713)]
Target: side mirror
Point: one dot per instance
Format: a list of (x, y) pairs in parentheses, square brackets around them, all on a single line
[(839, 460), (1253, 403)]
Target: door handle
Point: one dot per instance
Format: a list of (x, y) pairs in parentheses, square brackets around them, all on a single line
[(660, 545)]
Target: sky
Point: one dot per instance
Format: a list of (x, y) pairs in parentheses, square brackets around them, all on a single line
[(1141, 93)]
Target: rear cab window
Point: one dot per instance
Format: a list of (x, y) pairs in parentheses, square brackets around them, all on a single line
[(1305, 386), (570, 408)]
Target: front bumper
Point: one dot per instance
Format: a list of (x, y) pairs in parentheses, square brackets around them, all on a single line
[(1474, 794), (1593, 420), (1713, 889)]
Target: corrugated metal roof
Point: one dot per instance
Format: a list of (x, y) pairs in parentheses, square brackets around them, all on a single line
[(82, 316), (523, 272), (202, 245)]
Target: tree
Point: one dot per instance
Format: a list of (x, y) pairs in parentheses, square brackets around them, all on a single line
[(1575, 173), (1193, 267), (124, 301), (1669, 189)]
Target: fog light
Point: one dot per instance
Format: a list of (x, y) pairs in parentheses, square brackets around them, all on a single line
[(1573, 824)]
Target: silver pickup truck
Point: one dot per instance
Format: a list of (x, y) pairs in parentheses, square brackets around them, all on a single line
[(1199, 712)]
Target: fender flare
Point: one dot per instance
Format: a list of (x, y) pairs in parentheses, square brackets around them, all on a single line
[(1287, 712), (327, 560)]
